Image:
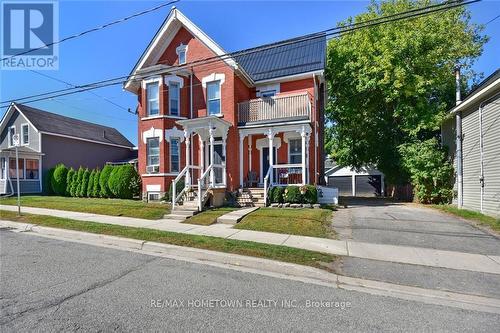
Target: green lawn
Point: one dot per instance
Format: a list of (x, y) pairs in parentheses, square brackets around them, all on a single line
[(492, 222), (301, 221), (274, 252), (114, 207), (209, 217)]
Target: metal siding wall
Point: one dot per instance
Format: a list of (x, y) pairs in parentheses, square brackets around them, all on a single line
[(491, 157), (471, 160)]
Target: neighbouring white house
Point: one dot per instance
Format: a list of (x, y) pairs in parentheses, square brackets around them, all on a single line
[(365, 182)]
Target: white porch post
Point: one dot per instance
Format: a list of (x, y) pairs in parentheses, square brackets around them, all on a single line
[(250, 152), (202, 155), (224, 175), (270, 136), (308, 137), (241, 159), (187, 138), (212, 154), (303, 134)]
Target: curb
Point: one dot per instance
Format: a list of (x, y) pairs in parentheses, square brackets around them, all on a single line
[(266, 267)]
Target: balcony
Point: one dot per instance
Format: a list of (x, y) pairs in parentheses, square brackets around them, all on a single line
[(275, 109)]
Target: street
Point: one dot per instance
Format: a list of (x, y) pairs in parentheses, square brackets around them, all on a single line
[(55, 285)]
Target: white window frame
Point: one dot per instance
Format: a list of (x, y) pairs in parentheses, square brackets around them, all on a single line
[(178, 87), (22, 134), (9, 137), (155, 194), (295, 154), (182, 49), (158, 80), (3, 167), (148, 155), (25, 169), (178, 154), (219, 82), (268, 93), (17, 166)]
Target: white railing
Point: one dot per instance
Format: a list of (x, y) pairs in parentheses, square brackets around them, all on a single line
[(187, 183), (208, 180), (266, 185), (288, 174), (275, 107)]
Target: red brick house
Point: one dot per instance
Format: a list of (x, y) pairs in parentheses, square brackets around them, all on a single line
[(214, 122)]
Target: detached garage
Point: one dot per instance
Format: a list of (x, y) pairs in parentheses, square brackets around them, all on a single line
[(367, 182)]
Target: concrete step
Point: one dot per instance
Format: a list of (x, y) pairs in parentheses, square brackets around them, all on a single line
[(182, 212)]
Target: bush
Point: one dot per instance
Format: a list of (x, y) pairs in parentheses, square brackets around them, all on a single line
[(58, 180), (311, 194), (74, 184), (178, 188), (276, 194), (90, 185), (430, 172), (123, 182), (84, 184), (78, 183), (47, 180), (293, 195), (69, 180), (96, 189), (103, 181)]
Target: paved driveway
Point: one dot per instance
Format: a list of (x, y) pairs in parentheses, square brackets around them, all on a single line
[(382, 222)]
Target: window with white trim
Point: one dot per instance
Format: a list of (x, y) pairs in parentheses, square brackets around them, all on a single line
[(182, 57), (152, 153), (12, 131), (268, 93), (174, 155), (3, 168), (25, 132), (153, 98), (12, 168), (213, 97), (32, 168), (174, 98), (295, 151)]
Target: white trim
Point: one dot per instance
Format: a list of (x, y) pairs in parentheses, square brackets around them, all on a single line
[(22, 134), (159, 174), (472, 99), (288, 150), (266, 125), (264, 142), (269, 87), (290, 135), (9, 141), (152, 133), (174, 78), (294, 77), (178, 154), (163, 116), (8, 114), (213, 77), (86, 140), (175, 83), (179, 49), (174, 132), (153, 188), (145, 82), (261, 158)]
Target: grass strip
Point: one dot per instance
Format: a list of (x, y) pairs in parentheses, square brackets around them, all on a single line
[(247, 248), (493, 223)]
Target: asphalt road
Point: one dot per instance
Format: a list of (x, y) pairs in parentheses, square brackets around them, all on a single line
[(50, 285)]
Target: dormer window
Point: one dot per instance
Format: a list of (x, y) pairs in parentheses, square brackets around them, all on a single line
[(182, 53)]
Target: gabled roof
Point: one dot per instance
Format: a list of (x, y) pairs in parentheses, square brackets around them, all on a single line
[(55, 124), (491, 83), (288, 59)]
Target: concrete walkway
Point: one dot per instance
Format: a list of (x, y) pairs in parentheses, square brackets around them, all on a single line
[(392, 253)]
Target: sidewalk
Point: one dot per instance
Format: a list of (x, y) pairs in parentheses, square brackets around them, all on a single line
[(392, 253)]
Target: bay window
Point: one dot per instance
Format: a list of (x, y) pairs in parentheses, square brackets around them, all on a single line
[(173, 95), (152, 155), (213, 98), (174, 155), (153, 98)]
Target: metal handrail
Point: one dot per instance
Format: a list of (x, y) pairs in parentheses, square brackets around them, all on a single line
[(175, 197), (200, 189), (266, 179)]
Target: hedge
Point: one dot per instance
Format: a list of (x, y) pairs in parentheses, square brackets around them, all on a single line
[(85, 183), (69, 180), (58, 180), (78, 183), (90, 185), (122, 182), (276, 194), (96, 190), (294, 194), (47, 186), (103, 181)]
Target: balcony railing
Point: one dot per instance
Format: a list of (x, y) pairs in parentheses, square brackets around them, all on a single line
[(296, 106)]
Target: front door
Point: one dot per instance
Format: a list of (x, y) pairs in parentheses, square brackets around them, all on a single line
[(218, 159), (265, 162)]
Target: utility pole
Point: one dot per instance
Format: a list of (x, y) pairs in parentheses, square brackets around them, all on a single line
[(458, 131), (16, 142)]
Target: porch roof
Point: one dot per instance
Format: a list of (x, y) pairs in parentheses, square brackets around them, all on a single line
[(202, 125), (21, 150)]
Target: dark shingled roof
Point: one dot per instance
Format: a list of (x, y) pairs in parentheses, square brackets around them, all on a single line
[(54, 123), (289, 59)]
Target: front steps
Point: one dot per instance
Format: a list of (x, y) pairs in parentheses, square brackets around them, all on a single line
[(251, 197), (184, 211)]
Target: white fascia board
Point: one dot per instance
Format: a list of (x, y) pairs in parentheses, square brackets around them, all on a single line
[(306, 75), (8, 114), (86, 140), (468, 101)]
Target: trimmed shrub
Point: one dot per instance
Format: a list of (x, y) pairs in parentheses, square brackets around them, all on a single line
[(276, 194), (47, 186), (293, 195), (311, 194), (90, 185), (78, 183), (85, 183), (178, 188), (58, 180), (74, 184), (69, 180), (123, 182), (103, 181), (96, 190)]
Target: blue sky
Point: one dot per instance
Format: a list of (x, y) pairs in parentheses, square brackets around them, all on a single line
[(234, 25)]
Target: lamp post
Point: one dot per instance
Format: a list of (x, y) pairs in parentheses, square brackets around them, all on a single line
[(16, 142)]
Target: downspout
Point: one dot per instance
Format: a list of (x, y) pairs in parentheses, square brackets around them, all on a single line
[(458, 138), (481, 176)]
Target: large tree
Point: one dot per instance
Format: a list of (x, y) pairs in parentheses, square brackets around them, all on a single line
[(391, 85)]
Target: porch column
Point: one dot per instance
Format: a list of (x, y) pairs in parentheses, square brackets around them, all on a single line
[(270, 136), (250, 153), (202, 155), (308, 137), (303, 134), (224, 175), (212, 155), (241, 159), (187, 138)]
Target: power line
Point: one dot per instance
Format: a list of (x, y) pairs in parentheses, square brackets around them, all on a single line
[(414, 13), (493, 19), (80, 34)]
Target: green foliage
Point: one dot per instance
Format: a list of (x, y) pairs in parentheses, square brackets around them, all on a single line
[(123, 182), (392, 84), (47, 180), (431, 174), (78, 182), (85, 182), (178, 188), (74, 184), (103, 181), (90, 185), (69, 180), (58, 180), (276, 194), (311, 194), (96, 189), (293, 195)]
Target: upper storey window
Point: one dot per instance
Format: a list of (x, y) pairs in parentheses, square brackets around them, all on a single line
[(182, 53), (173, 93), (213, 97), (153, 98)]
